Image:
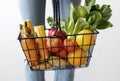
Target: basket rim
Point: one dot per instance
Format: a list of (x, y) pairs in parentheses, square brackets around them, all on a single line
[(19, 36)]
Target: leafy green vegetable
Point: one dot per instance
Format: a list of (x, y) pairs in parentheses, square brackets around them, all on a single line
[(80, 11), (70, 26), (95, 7), (51, 22), (90, 16), (102, 24), (93, 17), (79, 25), (90, 2), (66, 24), (106, 11), (73, 20)]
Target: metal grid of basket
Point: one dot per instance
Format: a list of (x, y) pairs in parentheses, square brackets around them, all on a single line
[(75, 55)]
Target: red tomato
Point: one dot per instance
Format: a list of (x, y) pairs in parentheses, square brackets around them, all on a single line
[(70, 45), (62, 34), (62, 53), (54, 44)]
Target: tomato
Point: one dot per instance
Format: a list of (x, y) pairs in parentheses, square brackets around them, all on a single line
[(62, 34), (70, 45), (55, 32), (62, 53), (54, 44)]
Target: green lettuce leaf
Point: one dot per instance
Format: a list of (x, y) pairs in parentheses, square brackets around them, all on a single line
[(90, 2), (106, 11), (80, 11), (102, 24), (79, 25), (93, 17)]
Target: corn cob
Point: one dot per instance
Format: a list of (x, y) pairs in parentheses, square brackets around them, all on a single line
[(40, 30)]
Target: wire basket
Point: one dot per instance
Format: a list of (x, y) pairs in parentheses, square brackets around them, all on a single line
[(78, 58), (42, 55)]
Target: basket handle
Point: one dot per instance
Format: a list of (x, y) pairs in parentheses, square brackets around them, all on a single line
[(56, 14)]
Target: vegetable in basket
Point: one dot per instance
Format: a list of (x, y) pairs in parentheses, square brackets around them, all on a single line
[(62, 53), (28, 44), (91, 16), (77, 58), (70, 45), (56, 32), (57, 62), (42, 66), (94, 18), (26, 29), (86, 39), (41, 42), (54, 44)]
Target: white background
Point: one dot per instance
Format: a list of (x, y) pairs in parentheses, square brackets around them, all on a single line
[(105, 63)]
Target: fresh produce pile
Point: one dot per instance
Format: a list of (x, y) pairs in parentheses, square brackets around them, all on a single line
[(70, 43)]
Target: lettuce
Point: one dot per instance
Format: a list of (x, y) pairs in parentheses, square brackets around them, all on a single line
[(90, 16), (102, 24)]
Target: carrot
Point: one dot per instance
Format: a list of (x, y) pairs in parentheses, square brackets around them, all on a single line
[(41, 42), (41, 45), (28, 44), (30, 51)]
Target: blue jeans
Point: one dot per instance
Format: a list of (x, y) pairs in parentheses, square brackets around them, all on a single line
[(35, 11), (60, 75)]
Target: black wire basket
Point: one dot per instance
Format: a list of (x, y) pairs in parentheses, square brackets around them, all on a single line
[(79, 57), (74, 56)]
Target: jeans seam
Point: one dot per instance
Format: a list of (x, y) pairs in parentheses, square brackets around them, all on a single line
[(56, 75)]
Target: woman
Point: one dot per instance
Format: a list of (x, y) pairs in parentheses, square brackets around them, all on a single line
[(34, 10)]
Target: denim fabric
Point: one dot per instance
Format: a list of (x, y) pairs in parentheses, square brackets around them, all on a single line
[(35, 11), (65, 7), (33, 75), (60, 75), (64, 75)]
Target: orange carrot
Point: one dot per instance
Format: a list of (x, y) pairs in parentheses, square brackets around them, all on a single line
[(43, 52), (28, 44), (29, 48)]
